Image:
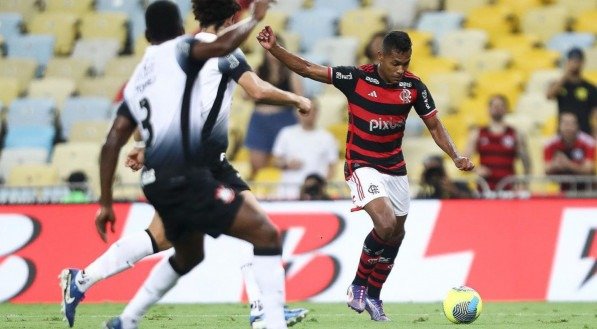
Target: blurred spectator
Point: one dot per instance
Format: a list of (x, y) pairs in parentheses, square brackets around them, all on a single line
[(304, 149), (314, 188), (77, 184), (498, 145), (373, 47), (435, 183), (571, 152), (267, 120), (575, 94)]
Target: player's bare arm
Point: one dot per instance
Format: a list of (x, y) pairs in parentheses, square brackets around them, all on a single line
[(233, 36), (265, 92), (121, 131), (444, 141), (267, 39)]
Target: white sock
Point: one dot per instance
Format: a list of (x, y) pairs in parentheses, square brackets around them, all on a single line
[(253, 292), (161, 279), (270, 277), (121, 255)]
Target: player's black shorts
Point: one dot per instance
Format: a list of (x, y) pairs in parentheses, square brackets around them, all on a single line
[(196, 199)]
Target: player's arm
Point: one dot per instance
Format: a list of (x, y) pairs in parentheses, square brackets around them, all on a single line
[(121, 130), (523, 152), (265, 92), (444, 141), (303, 67), (231, 37), (471, 143)]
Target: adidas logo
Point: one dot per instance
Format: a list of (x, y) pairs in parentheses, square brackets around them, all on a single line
[(373, 94)]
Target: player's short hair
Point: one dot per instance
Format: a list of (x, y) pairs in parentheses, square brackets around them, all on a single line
[(163, 21), (501, 97), (396, 41), (214, 12)]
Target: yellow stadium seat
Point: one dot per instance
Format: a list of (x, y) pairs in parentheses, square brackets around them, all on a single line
[(520, 7), (140, 45), (243, 168), (585, 21), (540, 80), (22, 69), (242, 155), (509, 83), (515, 43), (537, 107), (464, 6), (496, 20), (421, 43), (77, 7), (457, 85), (576, 7), (339, 131), (104, 86), (591, 58), (292, 41), (425, 5), (332, 109), (374, 19), (488, 60), (475, 108), (535, 59), (66, 67), (461, 44), (89, 131), (9, 90), (105, 25), (265, 183), (458, 126), (27, 8), (73, 156), (591, 75), (59, 24), (550, 126), (545, 22), (425, 68), (415, 150), (58, 89), (121, 66), (33, 175)]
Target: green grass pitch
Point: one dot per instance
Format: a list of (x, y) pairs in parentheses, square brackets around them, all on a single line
[(322, 315)]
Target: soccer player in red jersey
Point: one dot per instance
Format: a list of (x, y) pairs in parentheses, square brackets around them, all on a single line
[(380, 97), (498, 145)]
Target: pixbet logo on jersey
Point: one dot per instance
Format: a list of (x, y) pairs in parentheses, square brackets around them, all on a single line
[(381, 124)]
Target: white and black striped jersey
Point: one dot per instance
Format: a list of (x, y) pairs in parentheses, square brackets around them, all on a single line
[(182, 105)]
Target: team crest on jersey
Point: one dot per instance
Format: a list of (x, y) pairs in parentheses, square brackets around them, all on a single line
[(508, 141), (405, 96), (224, 194), (577, 154)]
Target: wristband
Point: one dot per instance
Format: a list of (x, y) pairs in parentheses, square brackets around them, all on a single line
[(139, 144)]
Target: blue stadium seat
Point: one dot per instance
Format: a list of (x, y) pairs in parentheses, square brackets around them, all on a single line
[(439, 23), (562, 42), (312, 25), (10, 25), (126, 6), (340, 6), (78, 109), (30, 136), (31, 112), (37, 46)]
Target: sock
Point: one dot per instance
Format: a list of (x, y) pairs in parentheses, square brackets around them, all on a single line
[(372, 249), (121, 255), (161, 279), (252, 288), (270, 277), (382, 270)]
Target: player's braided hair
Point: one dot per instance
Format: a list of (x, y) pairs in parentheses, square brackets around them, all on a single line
[(396, 41), (214, 12)]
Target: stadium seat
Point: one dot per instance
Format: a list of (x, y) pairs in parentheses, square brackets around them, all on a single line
[(11, 25), (21, 69), (576, 7), (337, 50), (122, 6), (58, 24), (33, 175), (83, 109), (540, 80), (415, 150), (457, 85), (462, 44), (432, 65), (288, 6), (265, 183), (127, 182), (17, 156), (30, 136), (106, 87), (89, 131), (535, 59), (9, 90), (35, 46), (109, 25), (312, 25), (488, 60), (139, 46), (464, 6), (429, 5), (31, 112), (73, 156), (340, 6), (26, 8), (585, 21), (98, 51), (515, 43), (422, 43), (475, 109), (58, 89), (373, 18), (591, 58), (78, 7), (70, 68), (537, 107), (121, 66), (496, 20), (278, 20), (439, 23), (591, 75), (544, 22), (339, 131), (508, 82), (399, 19), (520, 7), (562, 42), (332, 109)]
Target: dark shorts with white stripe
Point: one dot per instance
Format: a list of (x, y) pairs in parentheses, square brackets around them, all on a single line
[(196, 199)]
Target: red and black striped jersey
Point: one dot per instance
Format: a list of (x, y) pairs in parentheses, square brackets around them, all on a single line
[(497, 152), (377, 113)]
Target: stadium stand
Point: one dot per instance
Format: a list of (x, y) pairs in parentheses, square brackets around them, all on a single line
[(83, 109), (61, 25)]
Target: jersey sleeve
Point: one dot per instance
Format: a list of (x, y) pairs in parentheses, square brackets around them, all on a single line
[(344, 78), (184, 57), (234, 65), (424, 104), (125, 111)]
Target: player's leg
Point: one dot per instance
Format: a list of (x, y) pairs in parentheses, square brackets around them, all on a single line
[(121, 255), (252, 224)]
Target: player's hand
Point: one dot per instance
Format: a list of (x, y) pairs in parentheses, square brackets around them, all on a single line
[(105, 216), (260, 9), (464, 163), (267, 38), (304, 105), (135, 159)]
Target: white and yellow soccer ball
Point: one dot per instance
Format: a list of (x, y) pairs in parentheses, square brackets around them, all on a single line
[(462, 305)]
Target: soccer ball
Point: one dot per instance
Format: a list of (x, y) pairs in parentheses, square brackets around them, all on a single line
[(462, 305)]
